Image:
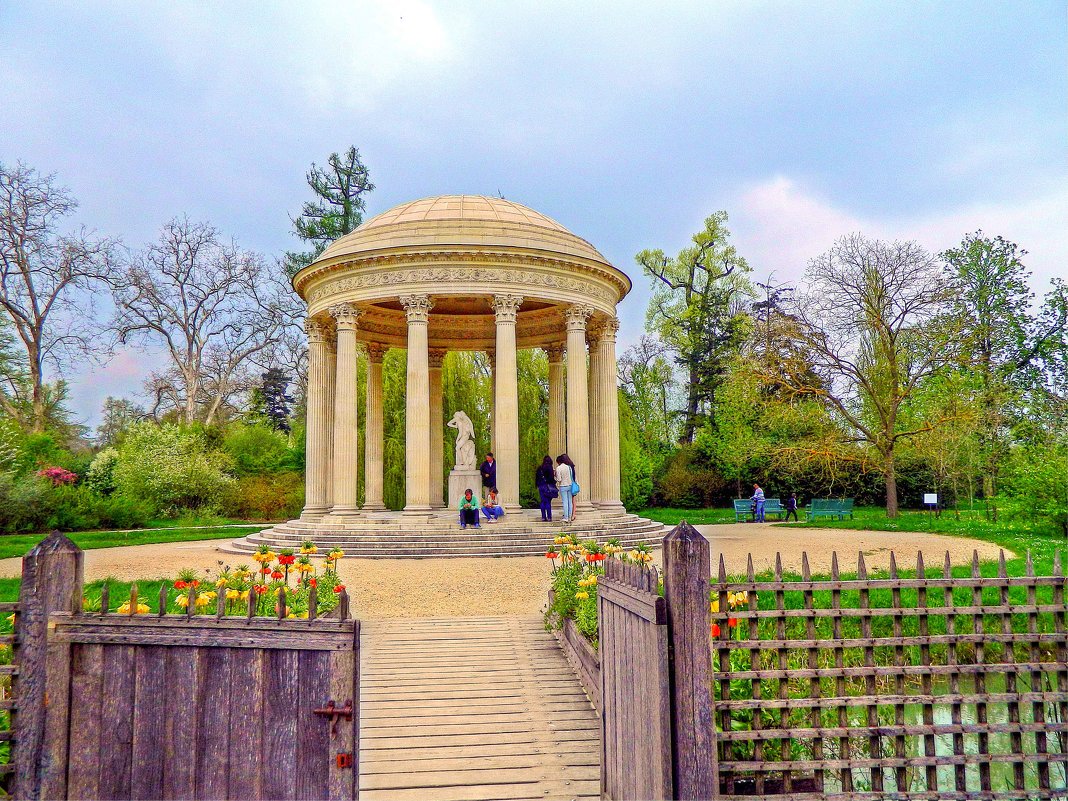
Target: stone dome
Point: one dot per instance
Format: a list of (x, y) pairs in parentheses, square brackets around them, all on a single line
[(462, 220)]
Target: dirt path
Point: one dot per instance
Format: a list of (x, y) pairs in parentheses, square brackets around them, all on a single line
[(388, 588)]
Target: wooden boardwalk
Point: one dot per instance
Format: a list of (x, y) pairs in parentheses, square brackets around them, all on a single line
[(472, 709)]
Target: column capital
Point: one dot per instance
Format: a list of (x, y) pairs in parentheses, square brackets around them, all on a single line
[(577, 316), (436, 357), (609, 328), (318, 332), (417, 307), (346, 316), (506, 307), (554, 352), (375, 352)]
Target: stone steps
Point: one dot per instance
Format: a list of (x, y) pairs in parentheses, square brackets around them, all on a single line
[(441, 536)]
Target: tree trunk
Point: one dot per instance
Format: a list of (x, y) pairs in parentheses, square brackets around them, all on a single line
[(889, 471), (692, 402), (37, 381)]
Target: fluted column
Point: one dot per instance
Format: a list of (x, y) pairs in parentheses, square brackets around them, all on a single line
[(417, 406), (596, 474), (346, 434), (578, 409), (491, 360), (609, 414), (506, 408), (328, 414), (316, 433), (437, 430), (557, 409), (374, 436)]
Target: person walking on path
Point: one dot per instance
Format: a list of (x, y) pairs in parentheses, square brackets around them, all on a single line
[(791, 507), (545, 481), (469, 510), (565, 482), (488, 471), (758, 499)]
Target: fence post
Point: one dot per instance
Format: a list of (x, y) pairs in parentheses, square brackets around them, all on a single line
[(51, 582), (686, 590)]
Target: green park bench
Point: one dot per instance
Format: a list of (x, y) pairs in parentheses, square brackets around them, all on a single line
[(742, 509), (773, 506), (829, 507)]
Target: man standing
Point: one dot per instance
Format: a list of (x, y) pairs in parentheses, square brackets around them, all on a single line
[(758, 499), (791, 507), (488, 471)]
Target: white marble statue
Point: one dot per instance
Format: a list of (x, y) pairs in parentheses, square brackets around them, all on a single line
[(465, 440)]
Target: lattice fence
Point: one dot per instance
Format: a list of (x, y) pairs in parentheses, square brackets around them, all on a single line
[(925, 687)]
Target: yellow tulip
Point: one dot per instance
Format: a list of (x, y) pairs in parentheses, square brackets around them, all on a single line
[(244, 595), (182, 600), (715, 606), (142, 609), (233, 595), (582, 596)]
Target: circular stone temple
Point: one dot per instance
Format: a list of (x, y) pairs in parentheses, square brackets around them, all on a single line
[(465, 273)]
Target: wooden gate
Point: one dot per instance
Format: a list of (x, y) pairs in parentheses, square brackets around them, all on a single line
[(154, 706), (636, 716), (198, 707)]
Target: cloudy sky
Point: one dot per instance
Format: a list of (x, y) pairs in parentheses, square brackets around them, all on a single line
[(628, 123)]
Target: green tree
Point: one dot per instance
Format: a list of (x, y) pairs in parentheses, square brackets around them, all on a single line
[(118, 415), (697, 311), (873, 324), (340, 190), (1003, 341)]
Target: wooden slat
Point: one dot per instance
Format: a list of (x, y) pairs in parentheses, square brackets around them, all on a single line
[(180, 706), (149, 720), (314, 740), (280, 724), (214, 739), (245, 774), (116, 721), (83, 780)]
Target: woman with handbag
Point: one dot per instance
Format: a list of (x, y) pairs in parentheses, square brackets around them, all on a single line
[(567, 485), (545, 481)]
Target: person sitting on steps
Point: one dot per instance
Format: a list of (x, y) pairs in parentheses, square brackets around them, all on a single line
[(469, 510), (491, 507)]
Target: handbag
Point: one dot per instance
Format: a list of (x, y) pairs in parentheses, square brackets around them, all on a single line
[(551, 491), (575, 488)]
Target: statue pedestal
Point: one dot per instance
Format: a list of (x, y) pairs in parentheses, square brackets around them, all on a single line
[(461, 480)]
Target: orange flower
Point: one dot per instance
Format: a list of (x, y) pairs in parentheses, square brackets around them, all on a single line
[(732, 622), (715, 630)]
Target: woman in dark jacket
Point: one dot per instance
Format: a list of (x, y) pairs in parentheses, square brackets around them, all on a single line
[(545, 481)]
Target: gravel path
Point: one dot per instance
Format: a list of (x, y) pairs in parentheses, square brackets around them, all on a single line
[(386, 588)]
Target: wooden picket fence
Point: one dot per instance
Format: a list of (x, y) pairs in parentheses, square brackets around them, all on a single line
[(161, 705), (921, 687)]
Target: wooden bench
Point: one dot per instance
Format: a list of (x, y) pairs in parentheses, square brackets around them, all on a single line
[(743, 507), (829, 507), (773, 506)]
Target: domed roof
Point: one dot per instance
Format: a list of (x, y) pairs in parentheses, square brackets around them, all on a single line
[(476, 220)]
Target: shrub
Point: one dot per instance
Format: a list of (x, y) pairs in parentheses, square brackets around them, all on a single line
[(278, 496), (170, 467), (26, 503), (100, 477), (59, 476), (255, 449), (80, 509)]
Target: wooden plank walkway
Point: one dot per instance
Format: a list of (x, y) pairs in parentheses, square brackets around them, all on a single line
[(472, 709)]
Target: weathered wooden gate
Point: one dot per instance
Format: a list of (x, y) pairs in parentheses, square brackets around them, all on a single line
[(162, 706), (635, 714)]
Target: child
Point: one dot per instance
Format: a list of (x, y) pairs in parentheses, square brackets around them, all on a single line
[(791, 507)]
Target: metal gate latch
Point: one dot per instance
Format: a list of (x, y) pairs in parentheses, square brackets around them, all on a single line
[(334, 712), (344, 761)]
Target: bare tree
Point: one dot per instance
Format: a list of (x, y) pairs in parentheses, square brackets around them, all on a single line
[(47, 280), (209, 304), (871, 325)]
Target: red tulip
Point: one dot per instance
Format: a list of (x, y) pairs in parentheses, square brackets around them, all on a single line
[(180, 585), (339, 588), (261, 588), (195, 583), (313, 582), (276, 574), (732, 622), (715, 630), (551, 555)]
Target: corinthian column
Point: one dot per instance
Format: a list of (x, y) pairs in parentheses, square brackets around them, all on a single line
[(506, 391), (437, 430), (557, 410), (417, 406), (578, 409), (596, 479), (609, 414), (374, 434), (346, 437), (328, 415), (317, 433)]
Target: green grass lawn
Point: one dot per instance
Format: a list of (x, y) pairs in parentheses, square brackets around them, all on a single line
[(18, 544)]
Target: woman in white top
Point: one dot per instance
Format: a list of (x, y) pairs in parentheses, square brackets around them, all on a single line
[(565, 477)]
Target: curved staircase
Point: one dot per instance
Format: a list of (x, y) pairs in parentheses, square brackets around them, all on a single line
[(392, 535)]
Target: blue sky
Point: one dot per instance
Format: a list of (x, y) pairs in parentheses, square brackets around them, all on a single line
[(628, 123)]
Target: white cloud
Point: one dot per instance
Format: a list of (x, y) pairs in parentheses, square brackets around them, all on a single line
[(780, 225)]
